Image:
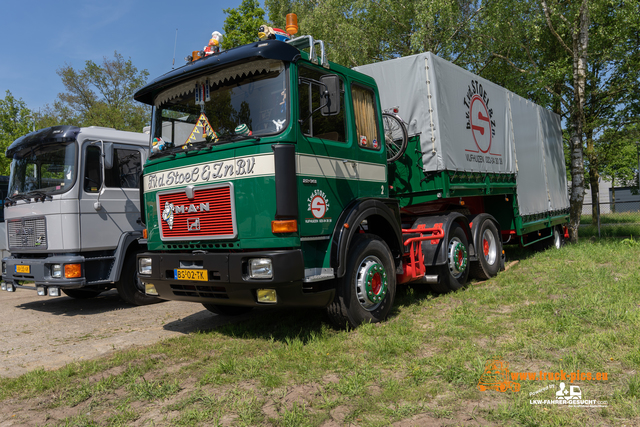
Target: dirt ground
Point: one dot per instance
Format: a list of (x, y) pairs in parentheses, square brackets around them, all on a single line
[(51, 332)]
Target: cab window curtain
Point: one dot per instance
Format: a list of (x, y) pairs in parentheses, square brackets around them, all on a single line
[(365, 115)]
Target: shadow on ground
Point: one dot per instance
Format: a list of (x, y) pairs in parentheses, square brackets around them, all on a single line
[(67, 306)]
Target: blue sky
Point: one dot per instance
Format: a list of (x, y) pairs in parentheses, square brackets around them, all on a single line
[(39, 37)]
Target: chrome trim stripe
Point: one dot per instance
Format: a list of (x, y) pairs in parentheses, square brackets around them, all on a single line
[(333, 167)]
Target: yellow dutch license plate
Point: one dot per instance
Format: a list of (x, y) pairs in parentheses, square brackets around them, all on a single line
[(23, 269), (184, 274)]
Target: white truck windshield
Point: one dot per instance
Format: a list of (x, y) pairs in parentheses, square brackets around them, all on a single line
[(48, 169)]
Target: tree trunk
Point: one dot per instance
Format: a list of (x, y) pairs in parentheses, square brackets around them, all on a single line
[(580, 44)]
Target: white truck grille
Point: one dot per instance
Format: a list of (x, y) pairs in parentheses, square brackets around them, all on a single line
[(27, 233)]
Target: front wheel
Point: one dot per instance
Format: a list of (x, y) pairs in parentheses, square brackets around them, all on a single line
[(366, 292), (130, 288)]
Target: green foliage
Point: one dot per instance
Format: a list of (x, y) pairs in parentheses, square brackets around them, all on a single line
[(361, 31), (15, 121), (618, 154), (241, 25), (100, 95)]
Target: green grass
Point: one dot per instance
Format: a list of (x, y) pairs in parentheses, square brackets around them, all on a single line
[(577, 308), (613, 218)]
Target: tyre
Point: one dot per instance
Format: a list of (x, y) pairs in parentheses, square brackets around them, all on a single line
[(130, 288), (227, 310), (555, 241), (558, 237), (395, 136), (489, 250), (81, 293), (366, 292), (455, 272)]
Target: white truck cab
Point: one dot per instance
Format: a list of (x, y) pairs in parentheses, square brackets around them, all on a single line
[(72, 212)]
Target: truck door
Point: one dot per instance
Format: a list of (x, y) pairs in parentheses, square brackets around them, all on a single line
[(327, 169), (101, 229), (372, 171)]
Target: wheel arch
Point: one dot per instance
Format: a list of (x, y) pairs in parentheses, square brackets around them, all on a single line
[(127, 245), (436, 254), (383, 220)]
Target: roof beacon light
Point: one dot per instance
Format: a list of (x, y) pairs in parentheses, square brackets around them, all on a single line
[(292, 23)]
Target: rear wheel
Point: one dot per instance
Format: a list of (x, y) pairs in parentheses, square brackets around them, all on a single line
[(227, 310), (489, 249), (558, 237), (130, 288), (81, 293), (454, 274), (366, 292), (555, 241)]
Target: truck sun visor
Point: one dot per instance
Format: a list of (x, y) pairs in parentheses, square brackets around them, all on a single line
[(227, 74)]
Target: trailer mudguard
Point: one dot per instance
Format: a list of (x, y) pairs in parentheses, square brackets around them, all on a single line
[(436, 253), (383, 219)]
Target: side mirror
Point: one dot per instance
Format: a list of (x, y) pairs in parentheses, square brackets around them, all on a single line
[(331, 89), (108, 155)]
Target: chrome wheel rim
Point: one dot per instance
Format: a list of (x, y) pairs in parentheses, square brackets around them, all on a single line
[(457, 257), (371, 283), (489, 247)]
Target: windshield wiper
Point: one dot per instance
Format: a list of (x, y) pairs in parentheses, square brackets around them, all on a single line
[(223, 139), (226, 138), (17, 197), (40, 194)]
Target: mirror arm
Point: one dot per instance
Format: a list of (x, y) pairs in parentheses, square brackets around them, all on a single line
[(97, 205)]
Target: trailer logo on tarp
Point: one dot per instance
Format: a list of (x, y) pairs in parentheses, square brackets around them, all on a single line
[(480, 122)]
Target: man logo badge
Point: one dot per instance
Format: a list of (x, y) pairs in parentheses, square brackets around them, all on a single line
[(193, 224)]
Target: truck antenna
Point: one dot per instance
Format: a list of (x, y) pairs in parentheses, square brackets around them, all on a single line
[(174, 50)]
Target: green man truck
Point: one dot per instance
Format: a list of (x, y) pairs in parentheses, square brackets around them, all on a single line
[(280, 178)]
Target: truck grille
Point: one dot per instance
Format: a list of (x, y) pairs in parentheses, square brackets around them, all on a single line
[(27, 233), (208, 214)]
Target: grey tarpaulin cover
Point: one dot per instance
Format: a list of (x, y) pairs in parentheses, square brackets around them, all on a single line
[(468, 124)]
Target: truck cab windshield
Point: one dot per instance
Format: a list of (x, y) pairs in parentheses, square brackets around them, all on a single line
[(45, 169), (248, 100)]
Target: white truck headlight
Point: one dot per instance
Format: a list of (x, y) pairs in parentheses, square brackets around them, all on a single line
[(144, 266), (56, 270), (260, 268)]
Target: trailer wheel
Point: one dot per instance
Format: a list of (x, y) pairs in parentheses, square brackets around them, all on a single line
[(227, 310), (366, 292), (81, 293), (456, 271), (130, 288), (555, 241), (489, 249), (558, 237)]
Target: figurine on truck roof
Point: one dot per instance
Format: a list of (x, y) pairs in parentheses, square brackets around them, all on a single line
[(297, 202)]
